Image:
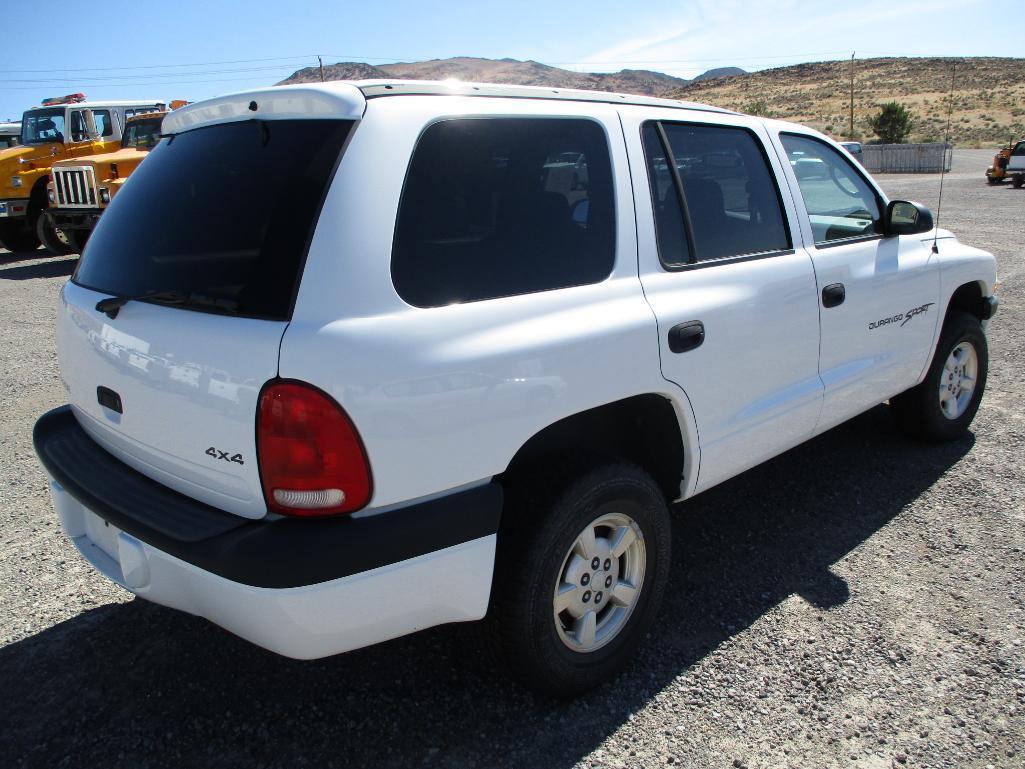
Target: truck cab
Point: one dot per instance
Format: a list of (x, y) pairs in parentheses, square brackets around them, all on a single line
[(80, 190), (64, 128)]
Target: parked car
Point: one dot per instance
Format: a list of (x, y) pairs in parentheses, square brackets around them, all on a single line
[(474, 399), (10, 135), (855, 149)]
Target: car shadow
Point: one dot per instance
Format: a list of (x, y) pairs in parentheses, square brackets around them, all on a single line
[(53, 267), (138, 684)]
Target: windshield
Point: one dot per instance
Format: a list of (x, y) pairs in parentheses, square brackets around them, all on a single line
[(224, 211), (142, 134), (42, 125)]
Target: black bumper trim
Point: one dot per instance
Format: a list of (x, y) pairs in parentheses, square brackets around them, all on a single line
[(276, 553)]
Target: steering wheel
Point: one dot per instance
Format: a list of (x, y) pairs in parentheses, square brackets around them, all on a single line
[(839, 181)]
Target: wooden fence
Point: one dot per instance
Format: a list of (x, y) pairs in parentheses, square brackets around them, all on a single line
[(907, 158)]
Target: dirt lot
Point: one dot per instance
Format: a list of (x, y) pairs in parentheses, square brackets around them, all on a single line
[(856, 602)]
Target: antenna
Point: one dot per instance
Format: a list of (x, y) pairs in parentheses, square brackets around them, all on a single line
[(943, 165)]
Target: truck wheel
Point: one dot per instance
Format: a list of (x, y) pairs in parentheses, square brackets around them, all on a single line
[(579, 577), (77, 240), (15, 235), (1017, 181), (942, 407), (53, 240)]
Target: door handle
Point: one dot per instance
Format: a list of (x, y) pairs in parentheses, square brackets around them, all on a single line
[(686, 336), (833, 295)]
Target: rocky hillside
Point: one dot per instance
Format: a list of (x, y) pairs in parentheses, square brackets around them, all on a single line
[(511, 71), (989, 96), (989, 93)]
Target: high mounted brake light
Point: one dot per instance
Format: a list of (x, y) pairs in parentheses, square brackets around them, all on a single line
[(312, 461)]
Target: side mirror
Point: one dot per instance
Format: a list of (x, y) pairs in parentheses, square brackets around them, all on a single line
[(906, 218)]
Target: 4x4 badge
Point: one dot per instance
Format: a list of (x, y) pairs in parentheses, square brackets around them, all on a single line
[(218, 454)]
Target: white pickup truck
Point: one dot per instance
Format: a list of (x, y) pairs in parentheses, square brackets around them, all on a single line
[(458, 347)]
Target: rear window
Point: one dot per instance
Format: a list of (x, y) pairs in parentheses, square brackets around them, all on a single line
[(224, 211), (496, 207)]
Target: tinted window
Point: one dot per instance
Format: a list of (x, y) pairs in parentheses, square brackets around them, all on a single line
[(1019, 149), (43, 125), (501, 206), (732, 201), (104, 126), (840, 202), (224, 211)]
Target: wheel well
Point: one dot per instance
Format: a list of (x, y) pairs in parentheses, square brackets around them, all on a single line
[(967, 298), (37, 198), (643, 429)]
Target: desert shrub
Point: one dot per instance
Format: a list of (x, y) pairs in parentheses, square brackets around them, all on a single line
[(892, 123)]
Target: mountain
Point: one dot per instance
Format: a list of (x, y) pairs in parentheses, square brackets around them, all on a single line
[(989, 96), (720, 72), (511, 71), (989, 93)]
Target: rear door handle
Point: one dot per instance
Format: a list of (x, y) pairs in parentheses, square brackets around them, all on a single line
[(833, 295), (686, 336)]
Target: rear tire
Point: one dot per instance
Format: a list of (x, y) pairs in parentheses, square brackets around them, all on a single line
[(1017, 181), (53, 240), (943, 406), (16, 235), (582, 564)]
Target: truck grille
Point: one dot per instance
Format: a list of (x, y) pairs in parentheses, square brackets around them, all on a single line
[(75, 187)]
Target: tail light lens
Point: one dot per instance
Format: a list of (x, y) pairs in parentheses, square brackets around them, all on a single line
[(312, 461)]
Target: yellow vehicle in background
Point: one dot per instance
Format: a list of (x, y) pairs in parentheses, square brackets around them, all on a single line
[(80, 190), (65, 128)]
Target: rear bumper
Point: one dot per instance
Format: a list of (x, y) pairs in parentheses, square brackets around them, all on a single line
[(304, 589)]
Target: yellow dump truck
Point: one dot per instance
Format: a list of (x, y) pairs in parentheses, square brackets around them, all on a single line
[(65, 128), (81, 189)]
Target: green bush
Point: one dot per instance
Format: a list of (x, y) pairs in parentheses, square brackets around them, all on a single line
[(892, 124)]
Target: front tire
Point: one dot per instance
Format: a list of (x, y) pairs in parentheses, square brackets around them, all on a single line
[(943, 406), (53, 240), (579, 577)]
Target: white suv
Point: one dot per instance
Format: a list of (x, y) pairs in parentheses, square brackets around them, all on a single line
[(452, 349)]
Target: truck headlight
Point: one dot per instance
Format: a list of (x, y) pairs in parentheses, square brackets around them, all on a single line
[(50, 196), (104, 195), (15, 181)]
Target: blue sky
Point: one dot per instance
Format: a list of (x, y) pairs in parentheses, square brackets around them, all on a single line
[(194, 50)]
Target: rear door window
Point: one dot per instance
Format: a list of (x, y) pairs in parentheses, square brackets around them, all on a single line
[(496, 207), (224, 211), (840, 203), (730, 201)]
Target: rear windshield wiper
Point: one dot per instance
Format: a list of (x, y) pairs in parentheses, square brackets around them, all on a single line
[(112, 305)]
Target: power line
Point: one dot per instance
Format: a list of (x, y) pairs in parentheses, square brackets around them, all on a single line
[(156, 66)]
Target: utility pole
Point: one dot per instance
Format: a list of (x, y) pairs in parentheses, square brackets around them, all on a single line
[(850, 133), (321, 62)]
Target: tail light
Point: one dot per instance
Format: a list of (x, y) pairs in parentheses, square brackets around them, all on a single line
[(312, 461)]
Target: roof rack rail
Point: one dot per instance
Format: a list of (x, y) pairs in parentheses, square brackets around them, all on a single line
[(373, 89)]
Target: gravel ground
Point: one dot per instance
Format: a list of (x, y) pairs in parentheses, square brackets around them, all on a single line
[(856, 602)]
